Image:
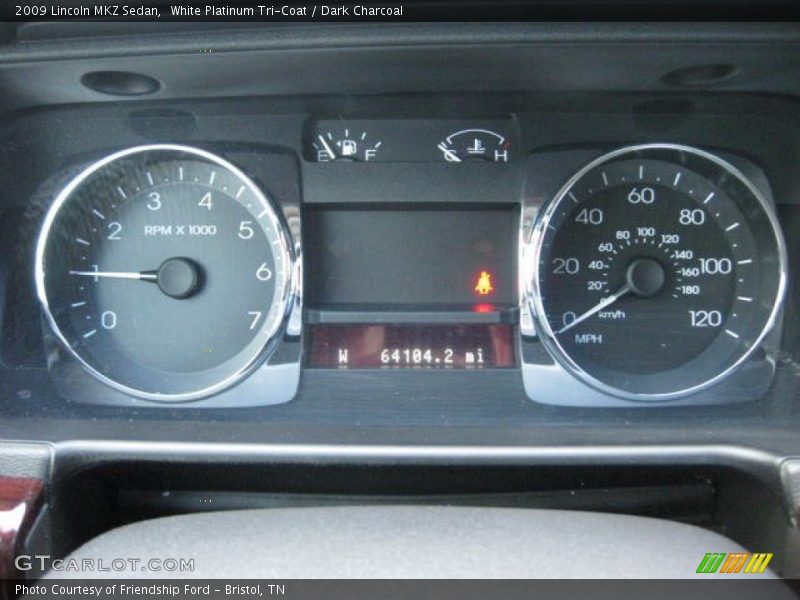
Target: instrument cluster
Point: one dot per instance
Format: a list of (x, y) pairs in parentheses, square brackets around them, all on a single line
[(645, 273)]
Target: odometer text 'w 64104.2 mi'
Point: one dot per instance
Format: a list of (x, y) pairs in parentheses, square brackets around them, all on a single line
[(165, 271), (656, 271)]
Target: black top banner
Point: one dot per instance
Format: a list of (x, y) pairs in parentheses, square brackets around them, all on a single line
[(401, 10)]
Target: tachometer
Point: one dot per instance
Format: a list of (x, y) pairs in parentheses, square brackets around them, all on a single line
[(656, 271), (165, 271)]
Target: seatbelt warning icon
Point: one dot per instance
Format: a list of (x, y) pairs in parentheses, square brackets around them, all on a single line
[(484, 285)]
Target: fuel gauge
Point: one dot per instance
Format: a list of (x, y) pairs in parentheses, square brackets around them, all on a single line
[(475, 144), (347, 144)]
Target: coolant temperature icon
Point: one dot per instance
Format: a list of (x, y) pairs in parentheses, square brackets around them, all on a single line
[(475, 144)]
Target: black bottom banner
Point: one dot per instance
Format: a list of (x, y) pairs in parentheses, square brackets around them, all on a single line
[(220, 589)]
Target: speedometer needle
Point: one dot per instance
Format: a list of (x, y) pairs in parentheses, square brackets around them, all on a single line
[(607, 301), (144, 275)]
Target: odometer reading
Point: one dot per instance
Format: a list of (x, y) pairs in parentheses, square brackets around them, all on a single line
[(656, 270), (165, 271), (411, 346)]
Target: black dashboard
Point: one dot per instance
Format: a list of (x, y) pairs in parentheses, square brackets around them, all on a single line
[(572, 250)]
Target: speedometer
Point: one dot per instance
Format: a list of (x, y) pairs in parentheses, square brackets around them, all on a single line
[(656, 271), (165, 271)]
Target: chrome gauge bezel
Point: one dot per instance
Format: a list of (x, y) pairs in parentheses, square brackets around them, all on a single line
[(533, 248), (288, 276)]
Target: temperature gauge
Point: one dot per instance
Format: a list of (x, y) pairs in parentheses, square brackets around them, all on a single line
[(347, 144), (475, 144)]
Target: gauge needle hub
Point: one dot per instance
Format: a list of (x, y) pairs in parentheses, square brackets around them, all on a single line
[(605, 302)]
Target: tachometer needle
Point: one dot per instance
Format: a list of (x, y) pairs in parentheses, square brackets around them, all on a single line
[(144, 275), (327, 147), (607, 301)]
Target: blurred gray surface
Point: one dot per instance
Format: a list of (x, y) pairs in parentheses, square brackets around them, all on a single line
[(410, 542)]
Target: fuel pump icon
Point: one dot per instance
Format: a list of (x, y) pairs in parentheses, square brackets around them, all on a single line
[(349, 147)]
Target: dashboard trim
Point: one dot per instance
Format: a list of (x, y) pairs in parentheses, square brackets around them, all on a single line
[(101, 451)]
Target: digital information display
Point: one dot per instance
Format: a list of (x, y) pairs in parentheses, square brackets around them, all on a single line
[(411, 346), (451, 256)]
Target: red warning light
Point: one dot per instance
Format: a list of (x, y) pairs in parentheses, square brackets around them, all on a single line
[(484, 285)]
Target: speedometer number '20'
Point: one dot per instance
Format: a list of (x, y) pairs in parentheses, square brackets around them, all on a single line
[(658, 269)]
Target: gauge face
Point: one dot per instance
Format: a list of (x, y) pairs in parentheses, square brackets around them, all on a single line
[(475, 144), (165, 272), (656, 271), (347, 144)]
